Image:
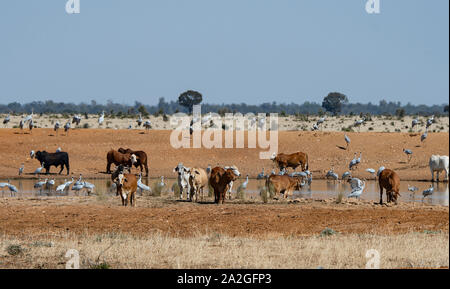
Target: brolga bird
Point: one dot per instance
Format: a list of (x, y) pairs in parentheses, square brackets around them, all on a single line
[(142, 186), (40, 184), (101, 118), (357, 188), (320, 121), (56, 127), (89, 187), (273, 172), (346, 175), (352, 163), (67, 127), (58, 150), (315, 127), (331, 174), (414, 122), (29, 117), (64, 186), (76, 120), (79, 182), (21, 169), (21, 125), (78, 187), (244, 184), (358, 160), (162, 184), (50, 184), (347, 140), (32, 154), (31, 126), (430, 121), (260, 175), (208, 169), (12, 188), (408, 154), (424, 135), (428, 192), (148, 124), (359, 122), (139, 121), (39, 170), (371, 171), (412, 189), (7, 119), (380, 169)]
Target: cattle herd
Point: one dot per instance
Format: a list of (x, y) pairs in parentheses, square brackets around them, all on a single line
[(193, 181)]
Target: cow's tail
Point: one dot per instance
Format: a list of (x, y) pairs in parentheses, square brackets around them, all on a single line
[(307, 163)]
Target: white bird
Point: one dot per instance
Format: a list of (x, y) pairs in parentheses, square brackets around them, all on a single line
[(321, 120), (380, 169), (162, 184), (346, 175), (414, 122), (67, 126), (29, 117), (78, 187), (21, 124), (358, 160), (244, 184), (32, 154), (139, 121), (76, 119), (7, 119), (58, 150), (39, 170), (31, 125), (309, 179), (40, 184), (101, 118), (359, 122), (412, 189), (64, 186), (56, 127), (408, 154), (430, 121), (273, 172), (208, 169), (148, 124), (315, 127), (21, 169), (424, 135), (353, 162), (347, 140), (78, 182), (428, 192), (12, 188), (357, 188), (142, 186), (300, 174), (370, 170), (331, 174), (50, 184), (88, 186), (260, 175)]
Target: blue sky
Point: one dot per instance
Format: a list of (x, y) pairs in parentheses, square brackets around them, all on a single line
[(232, 51)]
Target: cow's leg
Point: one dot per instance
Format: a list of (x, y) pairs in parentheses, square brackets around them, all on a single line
[(62, 167), (381, 195), (108, 168), (146, 170), (437, 175)]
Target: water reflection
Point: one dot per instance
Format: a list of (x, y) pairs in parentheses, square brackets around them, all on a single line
[(320, 189)]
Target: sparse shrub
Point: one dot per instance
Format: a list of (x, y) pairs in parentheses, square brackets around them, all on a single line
[(264, 194), (370, 128), (157, 189), (102, 265), (327, 232), (240, 193), (86, 125), (210, 190), (176, 189), (165, 117), (14, 250), (340, 197)]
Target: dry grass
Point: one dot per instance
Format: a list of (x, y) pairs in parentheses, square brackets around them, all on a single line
[(412, 250)]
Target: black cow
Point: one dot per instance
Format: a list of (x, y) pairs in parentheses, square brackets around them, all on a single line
[(53, 159)]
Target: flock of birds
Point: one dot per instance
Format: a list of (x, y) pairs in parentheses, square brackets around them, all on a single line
[(76, 119)]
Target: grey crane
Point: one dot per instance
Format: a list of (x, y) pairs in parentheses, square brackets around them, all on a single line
[(347, 140), (56, 127), (21, 169), (428, 192), (408, 154), (39, 170), (352, 163), (261, 175), (424, 136), (101, 118), (357, 188), (412, 189), (139, 121), (31, 125), (7, 119)]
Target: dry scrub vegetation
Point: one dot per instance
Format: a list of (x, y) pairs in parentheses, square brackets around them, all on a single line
[(213, 250)]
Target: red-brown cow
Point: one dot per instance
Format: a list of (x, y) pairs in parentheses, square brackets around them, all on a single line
[(117, 158), (284, 184), (294, 160), (389, 180), (220, 180), (126, 187)]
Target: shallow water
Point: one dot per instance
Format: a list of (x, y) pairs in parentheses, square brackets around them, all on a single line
[(320, 189)]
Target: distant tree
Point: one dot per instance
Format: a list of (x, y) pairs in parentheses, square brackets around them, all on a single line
[(190, 98), (333, 102), (143, 110), (446, 108), (400, 113)]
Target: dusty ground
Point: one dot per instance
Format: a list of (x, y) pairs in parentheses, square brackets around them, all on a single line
[(87, 149), (377, 124), (182, 219)]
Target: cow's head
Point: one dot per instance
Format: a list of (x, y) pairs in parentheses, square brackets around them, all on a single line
[(133, 159), (40, 155), (182, 170), (233, 172)]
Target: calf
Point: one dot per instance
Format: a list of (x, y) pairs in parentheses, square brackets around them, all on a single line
[(198, 180), (389, 180), (141, 160), (126, 185), (183, 180), (284, 161), (53, 159), (284, 184), (220, 180), (117, 158)]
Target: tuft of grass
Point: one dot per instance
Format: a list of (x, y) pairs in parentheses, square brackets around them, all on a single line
[(340, 197), (176, 189), (157, 189), (327, 232), (240, 193), (102, 265), (14, 250)]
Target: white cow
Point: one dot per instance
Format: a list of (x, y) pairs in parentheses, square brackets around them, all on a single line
[(183, 179), (437, 164)]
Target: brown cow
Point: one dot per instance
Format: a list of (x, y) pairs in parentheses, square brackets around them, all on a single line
[(389, 180), (114, 157), (220, 180), (284, 184), (198, 180), (141, 158), (126, 187), (294, 160)]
